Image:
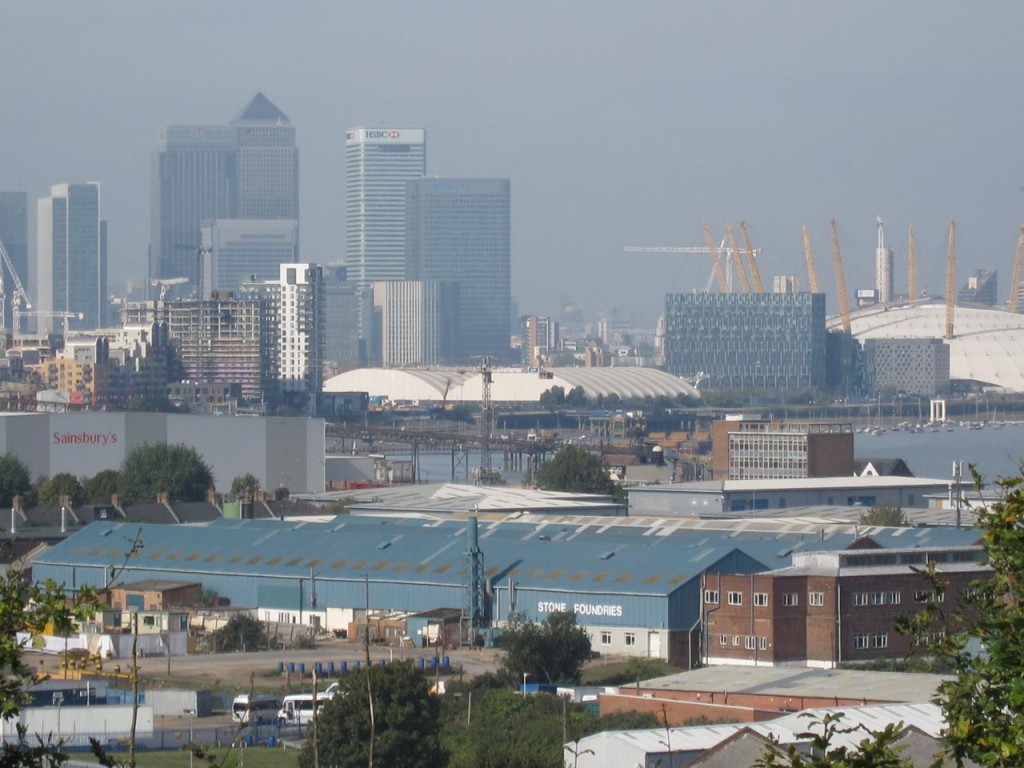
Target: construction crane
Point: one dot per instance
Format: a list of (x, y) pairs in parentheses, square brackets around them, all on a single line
[(912, 265), (1015, 285), (165, 283), (844, 304), (812, 273), (755, 273), (19, 300), (46, 313), (716, 262), (688, 249), (737, 260), (951, 280)]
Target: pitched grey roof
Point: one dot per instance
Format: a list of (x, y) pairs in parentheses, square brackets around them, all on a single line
[(261, 109)]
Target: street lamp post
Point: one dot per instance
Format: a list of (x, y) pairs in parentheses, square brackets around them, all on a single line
[(525, 675), (191, 753)]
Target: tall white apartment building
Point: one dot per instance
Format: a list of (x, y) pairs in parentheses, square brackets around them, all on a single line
[(300, 324), (378, 163)]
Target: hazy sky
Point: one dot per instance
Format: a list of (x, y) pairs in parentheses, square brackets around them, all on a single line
[(618, 123)]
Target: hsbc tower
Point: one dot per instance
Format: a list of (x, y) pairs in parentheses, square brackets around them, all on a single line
[(378, 163)]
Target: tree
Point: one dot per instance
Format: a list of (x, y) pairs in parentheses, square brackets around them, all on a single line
[(99, 488), (406, 722), (577, 398), (14, 478), (244, 486), (26, 607), (885, 515), (177, 470), (878, 749), (60, 485), (241, 633), (983, 702), (576, 470), (552, 652), (552, 398)]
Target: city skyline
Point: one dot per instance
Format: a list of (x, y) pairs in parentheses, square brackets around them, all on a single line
[(630, 134)]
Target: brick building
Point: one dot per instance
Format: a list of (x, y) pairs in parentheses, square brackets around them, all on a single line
[(829, 607), (744, 449)]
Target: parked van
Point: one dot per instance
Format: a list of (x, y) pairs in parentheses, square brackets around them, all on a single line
[(262, 709), (297, 708)]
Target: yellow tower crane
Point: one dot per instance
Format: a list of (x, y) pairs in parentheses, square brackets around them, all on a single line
[(812, 273), (716, 262), (844, 304), (911, 266), (1015, 285), (737, 260), (755, 273), (951, 280)]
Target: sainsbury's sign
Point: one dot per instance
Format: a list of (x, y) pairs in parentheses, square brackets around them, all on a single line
[(85, 438)]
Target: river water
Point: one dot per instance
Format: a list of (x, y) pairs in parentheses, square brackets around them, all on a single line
[(995, 451)]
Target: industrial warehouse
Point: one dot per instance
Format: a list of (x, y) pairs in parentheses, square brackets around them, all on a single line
[(636, 585)]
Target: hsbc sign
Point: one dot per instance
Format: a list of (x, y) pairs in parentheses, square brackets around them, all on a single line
[(409, 135)]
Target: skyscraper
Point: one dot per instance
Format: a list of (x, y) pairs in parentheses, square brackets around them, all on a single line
[(247, 170), (378, 163), (416, 321), (459, 231), (237, 250), (14, 235), (192, 182), (72, 256), (267, 162)]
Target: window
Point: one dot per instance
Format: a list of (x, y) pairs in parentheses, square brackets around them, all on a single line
[(735, 598), (880, 640), (735, 639), (878, 598), (762, 643), (631, 638), (749, 642), (761, 599), (816, 598), (860, 640), (928, 596), (711, 596), (790, 599), (894, 598), (606, 638), (860, 598), (723, 639)]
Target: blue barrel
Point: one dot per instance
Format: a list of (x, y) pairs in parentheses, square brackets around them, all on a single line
[(330, 668), (420, 662), (446, 663), (433, 662), (280, 666), (344, 667), (319, 668), (271, 740), (383, 662), (302, 668), (355, 664), (291, 667), (248, 740)]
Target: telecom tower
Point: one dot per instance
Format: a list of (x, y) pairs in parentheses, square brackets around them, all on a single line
[(883, 266), (474, 607)]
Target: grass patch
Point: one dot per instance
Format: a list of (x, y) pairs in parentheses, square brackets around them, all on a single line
[(255, 757)]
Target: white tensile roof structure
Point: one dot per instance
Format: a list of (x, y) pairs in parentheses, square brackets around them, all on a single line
[(457, 385), (987, 344)]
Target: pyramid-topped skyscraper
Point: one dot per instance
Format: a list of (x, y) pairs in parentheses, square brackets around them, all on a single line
[(268, 162), (202, 174)]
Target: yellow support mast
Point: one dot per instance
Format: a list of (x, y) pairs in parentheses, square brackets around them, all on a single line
[(844, 304), (716, 262), (737, 262), (755, 273), (951, 280), (812, 273)]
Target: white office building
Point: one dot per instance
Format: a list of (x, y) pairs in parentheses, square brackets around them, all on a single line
[(378, 163), (416, 320)]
